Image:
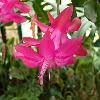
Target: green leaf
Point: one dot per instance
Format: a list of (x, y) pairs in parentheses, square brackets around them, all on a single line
[(85, 72), (1, 24), (90, 7), (97, 78), (78, 3), (98, 18), (92, 12), (55, 92), (86, 24), (38, 8), (97, 43)]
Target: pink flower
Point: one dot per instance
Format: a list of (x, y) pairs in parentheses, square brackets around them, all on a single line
[(48, 57), (7, 13), (60, 25)]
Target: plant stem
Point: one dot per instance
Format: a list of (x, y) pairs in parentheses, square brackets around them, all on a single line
[(3, 33), (5, 74), (20, 32), (58, 3)]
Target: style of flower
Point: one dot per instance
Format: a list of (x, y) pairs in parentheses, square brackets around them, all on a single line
[(7, 11), (47, 56), (60, 25)]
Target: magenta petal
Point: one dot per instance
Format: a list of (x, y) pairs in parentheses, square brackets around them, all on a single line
[(75, 25), (18, 54), (56, 38), (26, 51), (17, 18), (65, 61), (81, 51), (50, 18), (1, 4), (42, 26), (71, 47), (31, 41), (71, 60), (26, 44), (30, 63), (9, 4), (42, 70), (3, 1), (59, 39), (7, 13), (5, 18), (46, 47), (6, 9), (28, 56), (60, 26), (62, 22), (22, 7), (64, 38)]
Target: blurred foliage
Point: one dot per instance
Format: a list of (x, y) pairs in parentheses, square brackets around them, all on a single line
[(80, 81), (38, 8)]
